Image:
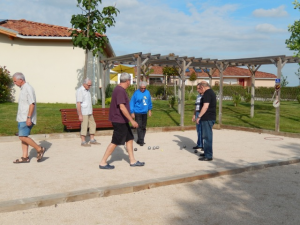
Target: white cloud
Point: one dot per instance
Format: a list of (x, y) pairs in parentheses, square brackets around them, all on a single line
[(268, 28), (275, 12)]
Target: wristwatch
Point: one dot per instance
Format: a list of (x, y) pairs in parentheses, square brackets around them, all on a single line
[(28, 117)]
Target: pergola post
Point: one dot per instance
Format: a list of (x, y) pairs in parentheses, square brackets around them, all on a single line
[(252, 71), (221, 67), (103, 85), (277, 116), (183, 64)]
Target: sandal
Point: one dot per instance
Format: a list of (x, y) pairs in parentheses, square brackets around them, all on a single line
[(22, 160), (138, 163), (40, 154)]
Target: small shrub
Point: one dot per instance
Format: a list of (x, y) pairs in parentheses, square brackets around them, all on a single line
[(298, 98), (236, 98), (247, 97), (171, 101), (107, 101), (6, 84)]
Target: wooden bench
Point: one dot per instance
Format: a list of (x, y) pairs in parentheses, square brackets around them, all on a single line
[(70, 119)]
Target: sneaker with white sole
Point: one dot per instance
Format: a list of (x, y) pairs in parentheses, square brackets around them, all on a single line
[(94, 142), (85, 144)]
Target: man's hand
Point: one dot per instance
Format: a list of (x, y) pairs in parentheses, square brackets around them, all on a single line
[(198, 120), (80, 118), (134, 124), (193, 119), (28, 122), (132, 115), (150, 113)]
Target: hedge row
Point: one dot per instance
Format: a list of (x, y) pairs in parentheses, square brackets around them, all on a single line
[(156, 91)]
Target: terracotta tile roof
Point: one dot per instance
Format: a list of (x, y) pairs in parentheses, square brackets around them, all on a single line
[(29, 28), (229, 72)]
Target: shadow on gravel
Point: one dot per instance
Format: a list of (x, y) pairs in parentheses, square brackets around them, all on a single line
[(45, 144), (254, 197)]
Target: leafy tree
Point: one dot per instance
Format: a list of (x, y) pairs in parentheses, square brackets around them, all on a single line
[(284, 81), (90, 26), (298, 75), (6, 84), (293, 43), (192, 78)]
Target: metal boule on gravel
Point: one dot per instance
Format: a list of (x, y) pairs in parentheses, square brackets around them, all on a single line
[(153, 148), (149, 147), (157, 147), (135, 149)]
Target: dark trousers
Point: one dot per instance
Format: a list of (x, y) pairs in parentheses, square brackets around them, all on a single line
[(141, 119)]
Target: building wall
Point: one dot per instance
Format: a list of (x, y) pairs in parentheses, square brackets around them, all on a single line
[(54, 68)]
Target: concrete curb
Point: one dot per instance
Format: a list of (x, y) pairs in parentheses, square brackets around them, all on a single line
[(53, 199)]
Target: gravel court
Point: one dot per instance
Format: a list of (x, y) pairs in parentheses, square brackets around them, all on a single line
[(69, 167), (268, 196)]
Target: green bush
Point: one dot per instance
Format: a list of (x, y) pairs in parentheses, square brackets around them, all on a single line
[(6, 84), (171, 101), (109, 90), (247, 97), (107, 101), (298, 98), (236, 98)]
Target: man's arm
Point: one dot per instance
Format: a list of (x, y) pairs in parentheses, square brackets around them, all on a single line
[(29, 115), (127, 115), (203, 111), (78, 106)]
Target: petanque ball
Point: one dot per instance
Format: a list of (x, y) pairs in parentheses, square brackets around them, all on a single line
[(149, 147), (135, 149), (157, 147), (153, 148)]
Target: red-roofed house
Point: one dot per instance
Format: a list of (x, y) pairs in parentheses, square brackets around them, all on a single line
[(45, 55), (232, 75)]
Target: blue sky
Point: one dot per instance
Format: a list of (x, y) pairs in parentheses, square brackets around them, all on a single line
[(216, 29)]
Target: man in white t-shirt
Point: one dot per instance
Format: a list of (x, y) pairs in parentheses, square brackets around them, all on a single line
[(85, 113), (26, 118)]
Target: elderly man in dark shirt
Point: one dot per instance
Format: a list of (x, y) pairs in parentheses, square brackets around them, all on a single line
[(207, 118), (119, 115)]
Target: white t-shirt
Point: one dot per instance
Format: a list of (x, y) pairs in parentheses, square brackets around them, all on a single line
[(26, 98), (84, 97)]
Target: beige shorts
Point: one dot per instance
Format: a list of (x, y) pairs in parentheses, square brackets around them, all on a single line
[(88, 122)]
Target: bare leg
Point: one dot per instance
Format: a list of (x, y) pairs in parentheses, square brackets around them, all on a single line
[(28, 141), (129, 147), (110, 148), (92, 136), (24, 149), (82, 138)]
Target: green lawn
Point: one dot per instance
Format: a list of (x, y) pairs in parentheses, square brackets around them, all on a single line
[(49, 118)]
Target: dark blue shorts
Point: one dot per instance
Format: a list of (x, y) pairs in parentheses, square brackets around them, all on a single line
[(122, 133)]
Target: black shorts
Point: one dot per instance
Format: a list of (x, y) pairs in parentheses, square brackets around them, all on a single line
[(122, 133)]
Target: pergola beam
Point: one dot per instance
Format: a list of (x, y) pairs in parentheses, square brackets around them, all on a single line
[(183, 62)]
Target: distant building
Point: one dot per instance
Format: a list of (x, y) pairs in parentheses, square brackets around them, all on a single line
[(46, 56), (231, 76)]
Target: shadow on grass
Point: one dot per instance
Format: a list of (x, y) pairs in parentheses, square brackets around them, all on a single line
[(240, 117)]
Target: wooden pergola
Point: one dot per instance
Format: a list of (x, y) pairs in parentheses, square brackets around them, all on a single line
[(144, 61)]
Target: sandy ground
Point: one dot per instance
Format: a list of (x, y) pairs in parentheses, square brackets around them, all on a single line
[(268, 196)]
